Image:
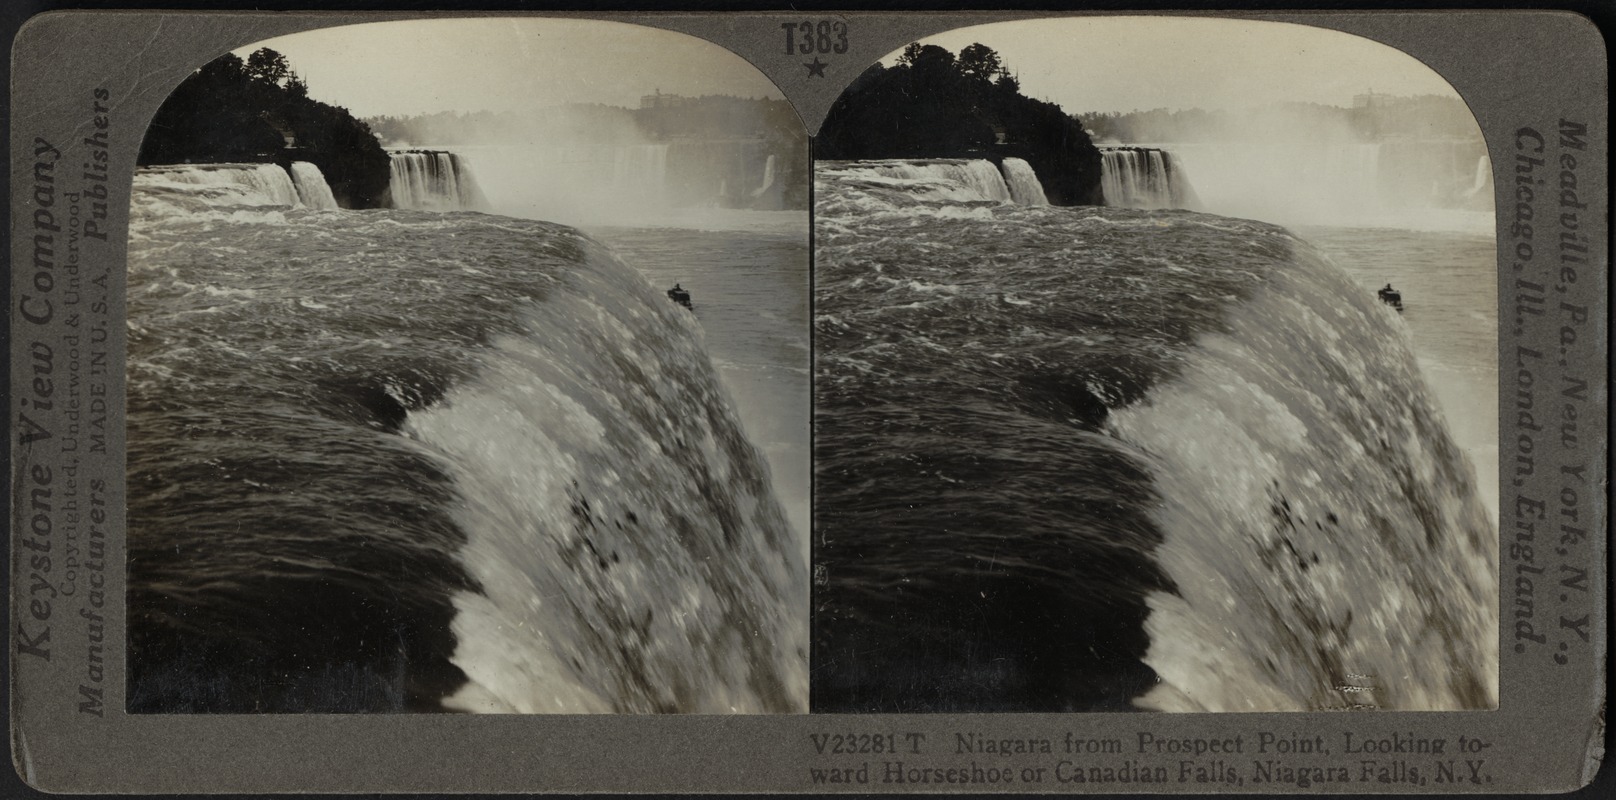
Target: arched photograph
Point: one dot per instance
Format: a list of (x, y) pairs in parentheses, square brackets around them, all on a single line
[(1156, 370), (468, 371)]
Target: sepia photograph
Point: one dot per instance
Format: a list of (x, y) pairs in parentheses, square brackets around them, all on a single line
[(859, 401), (1156, 370), (468, 372)]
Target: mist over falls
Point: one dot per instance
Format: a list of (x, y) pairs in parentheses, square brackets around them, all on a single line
[(597, 164), (1411, 162)]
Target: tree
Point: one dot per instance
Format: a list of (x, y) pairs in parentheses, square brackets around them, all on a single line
[(230, 110), (980, 63), (932, 62), (1007, 83), (267, 66), (934, 105), (296, 86)]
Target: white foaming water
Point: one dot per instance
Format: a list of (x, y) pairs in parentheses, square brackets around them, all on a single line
[(432, 181), (768, 177), (311, 186), (1144, 178), (959, 179), (260, 193), (231, 184), (628, 561), (1382, 554), (947, 180), (1024, 186), (750, 287)]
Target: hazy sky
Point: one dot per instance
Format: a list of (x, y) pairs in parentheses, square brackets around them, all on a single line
[(423, 66), (1128, 63)]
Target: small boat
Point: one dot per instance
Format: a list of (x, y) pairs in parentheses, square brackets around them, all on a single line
[(1391, 297), (680, 296)]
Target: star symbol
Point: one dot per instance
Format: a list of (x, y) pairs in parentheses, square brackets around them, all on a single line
[(816, 69)]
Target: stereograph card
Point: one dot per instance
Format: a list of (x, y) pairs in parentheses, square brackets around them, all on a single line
[(866, 402)]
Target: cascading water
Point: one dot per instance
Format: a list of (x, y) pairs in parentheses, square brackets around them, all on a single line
[(951, 179), (1024, 186), (1106, 459), (960, 179), (640, 169), (1137, 177), (432, 180), (311, 186), (426, 461), (231, 184), (1353, 532), (768, 177)]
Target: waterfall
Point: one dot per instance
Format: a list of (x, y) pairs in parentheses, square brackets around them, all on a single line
[(490, 469), (229, 184), (311, 186), (433, 180), (1023, 182), (948, 178), (1141, 177), (641, 169), (1126, 459), (1483, 179), (768, 177)]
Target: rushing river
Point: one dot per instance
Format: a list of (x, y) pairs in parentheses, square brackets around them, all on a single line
[(436, 460), (1104, 458)]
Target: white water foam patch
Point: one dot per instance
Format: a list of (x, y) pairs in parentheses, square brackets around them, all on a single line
[(155, 201), (248, 184), (1023, 182), (1325, 535), (1148, 178), (950, 179), (312, 188), (768, 177), (630, 555), (432, 180)]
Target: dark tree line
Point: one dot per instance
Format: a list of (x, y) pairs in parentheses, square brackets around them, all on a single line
[(932, 104), (235, 110)]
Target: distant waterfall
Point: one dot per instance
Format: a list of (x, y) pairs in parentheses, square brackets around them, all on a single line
[(1138, 177), (311, 186), (768, 177), (726, 174), (1483, 180), (640, 168), (433, 180), (1024, 186)]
